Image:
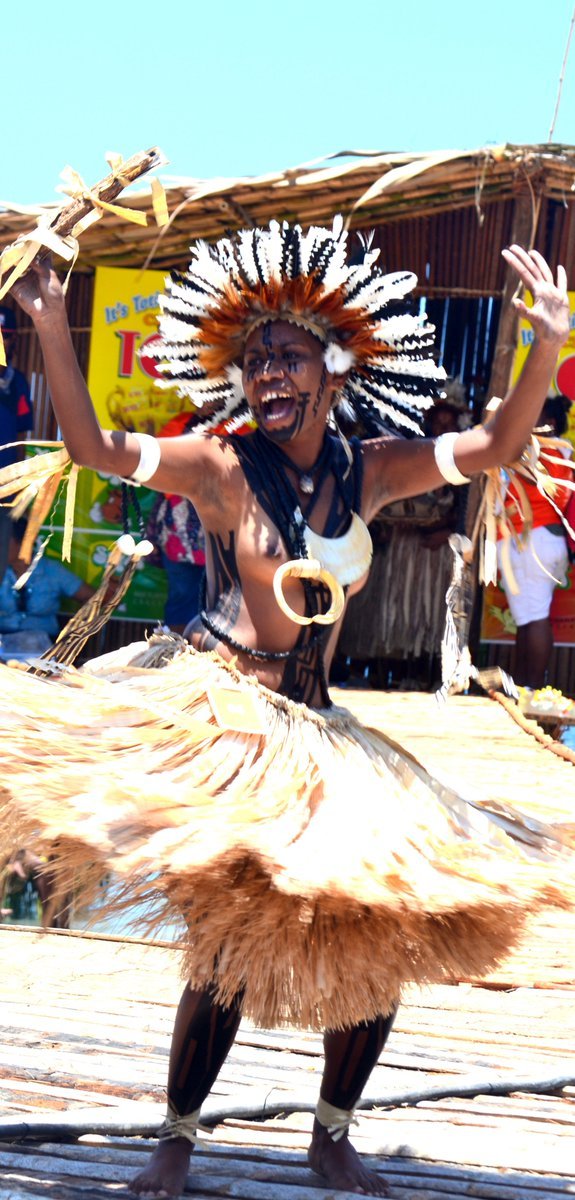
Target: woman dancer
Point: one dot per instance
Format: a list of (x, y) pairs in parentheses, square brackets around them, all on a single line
[(316, 866)]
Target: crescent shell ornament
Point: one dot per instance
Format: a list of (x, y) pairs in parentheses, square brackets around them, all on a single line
[(309, 568)]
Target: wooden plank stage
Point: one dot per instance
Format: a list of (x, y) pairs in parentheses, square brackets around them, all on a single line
[(86, 1023), (472, 742)]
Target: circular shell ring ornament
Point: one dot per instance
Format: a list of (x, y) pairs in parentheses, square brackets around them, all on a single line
[(309, 568)]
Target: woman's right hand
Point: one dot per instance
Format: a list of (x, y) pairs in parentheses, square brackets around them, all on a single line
[(39, 293)]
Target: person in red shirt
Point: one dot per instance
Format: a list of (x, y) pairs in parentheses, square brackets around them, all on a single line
[(539, 562)]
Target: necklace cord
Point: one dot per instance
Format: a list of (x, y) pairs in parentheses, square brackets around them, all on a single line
[(265, 465)]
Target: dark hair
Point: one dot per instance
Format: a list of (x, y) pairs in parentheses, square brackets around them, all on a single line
[(18, 528), (7, 319), (554, 412)]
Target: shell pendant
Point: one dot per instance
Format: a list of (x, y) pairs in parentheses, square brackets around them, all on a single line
[(306, 485), (348, 557)]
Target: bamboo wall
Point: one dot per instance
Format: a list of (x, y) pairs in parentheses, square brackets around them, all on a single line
[(458, 253), (452, 253)]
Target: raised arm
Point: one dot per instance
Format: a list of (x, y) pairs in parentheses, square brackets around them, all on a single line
[(397, 468), (186, 463)]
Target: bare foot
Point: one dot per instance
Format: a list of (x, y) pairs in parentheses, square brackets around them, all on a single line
[(341, 1165), (166, 1172)]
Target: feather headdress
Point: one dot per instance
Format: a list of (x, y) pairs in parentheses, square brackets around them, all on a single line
[(281, 273)]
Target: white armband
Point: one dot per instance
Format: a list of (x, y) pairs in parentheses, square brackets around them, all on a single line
[(443, 451), (150, 455)]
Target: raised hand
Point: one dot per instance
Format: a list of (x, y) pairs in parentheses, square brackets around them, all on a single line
[(39, 291), (549, 314)]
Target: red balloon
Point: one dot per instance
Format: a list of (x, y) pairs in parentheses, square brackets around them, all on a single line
[(566, 377)]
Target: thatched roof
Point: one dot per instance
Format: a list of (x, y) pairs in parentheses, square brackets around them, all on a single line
[(368, 187)]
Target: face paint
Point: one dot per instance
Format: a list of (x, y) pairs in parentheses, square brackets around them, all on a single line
[(285, 379), (267, 336), (320, 391)]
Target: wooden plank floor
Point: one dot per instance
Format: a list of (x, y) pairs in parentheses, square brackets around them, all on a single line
[(472, 742), (86, 1024)]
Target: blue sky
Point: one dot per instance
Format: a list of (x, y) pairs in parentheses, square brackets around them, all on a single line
[(242, 88)]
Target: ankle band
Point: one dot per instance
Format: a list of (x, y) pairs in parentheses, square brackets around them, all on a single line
[(336, 1120), (175, 1126)]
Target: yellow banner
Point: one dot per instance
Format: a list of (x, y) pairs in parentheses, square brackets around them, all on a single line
[(564, 378), (121, 381), (121, 376)]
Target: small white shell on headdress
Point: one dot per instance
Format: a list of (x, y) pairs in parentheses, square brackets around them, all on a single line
[(337, 359)]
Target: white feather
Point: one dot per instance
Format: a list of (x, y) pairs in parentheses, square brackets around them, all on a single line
[(176, 367), (397, 328), (399, 283), (423, 368), (234, 376), (337, 271), (238, 422), (186, 301), (416, 402), (174, 330), (356, 275), (246, 252), (207, 269), (384, 288), (273, 244), (390, 412), (224, 412), (188, 351), (306, 248)]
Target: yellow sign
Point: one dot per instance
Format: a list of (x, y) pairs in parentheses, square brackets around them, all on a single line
[(121, 381), (564, 378), (122, 374)]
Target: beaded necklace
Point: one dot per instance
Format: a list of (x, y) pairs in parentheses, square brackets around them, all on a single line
[(261, 655)]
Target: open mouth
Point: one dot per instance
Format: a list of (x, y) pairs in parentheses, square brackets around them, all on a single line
[(276, 406)]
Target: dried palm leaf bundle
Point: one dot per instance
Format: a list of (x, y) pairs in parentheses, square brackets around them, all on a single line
[(57, 233), (33, 484)]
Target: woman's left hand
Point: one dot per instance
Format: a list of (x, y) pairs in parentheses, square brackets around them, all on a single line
[(549, 313)]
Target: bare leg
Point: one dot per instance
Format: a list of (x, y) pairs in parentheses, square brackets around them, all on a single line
[(350, 1057), (533, 646), (56, 905), (203, 1035)]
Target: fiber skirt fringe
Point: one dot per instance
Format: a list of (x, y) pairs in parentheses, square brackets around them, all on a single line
[(317, 866)]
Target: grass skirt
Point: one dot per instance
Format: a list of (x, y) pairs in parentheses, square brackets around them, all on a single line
[(315, 863)]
